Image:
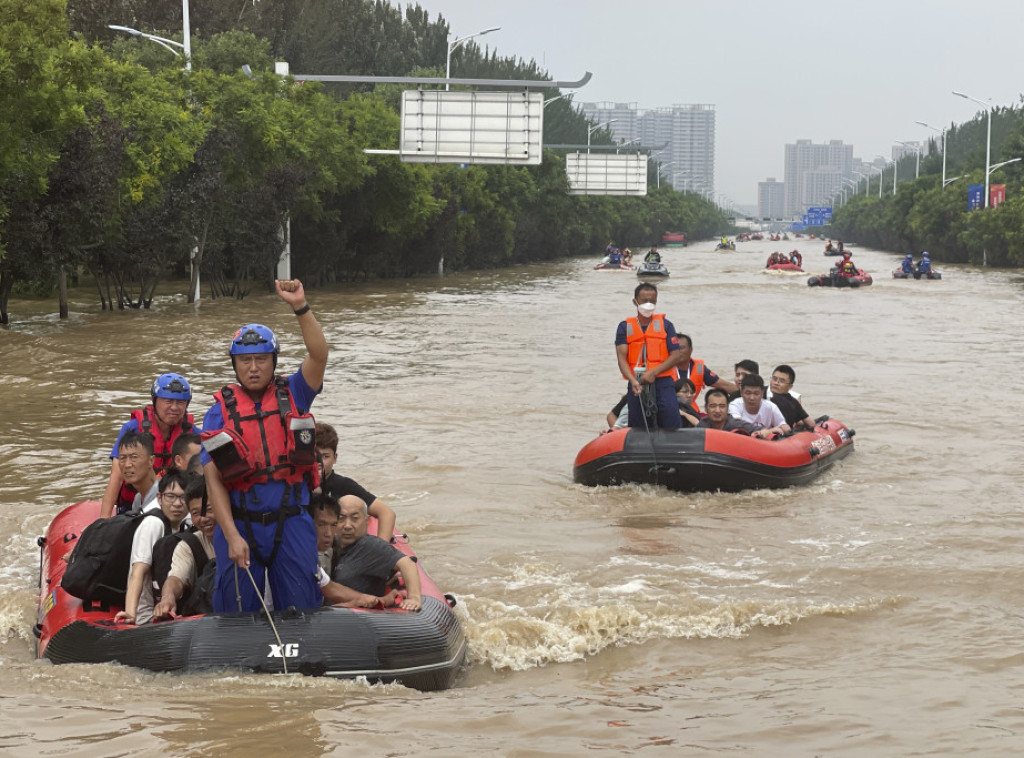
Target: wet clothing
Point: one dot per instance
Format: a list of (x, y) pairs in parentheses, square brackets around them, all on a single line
[(271, 505), (366, 565)]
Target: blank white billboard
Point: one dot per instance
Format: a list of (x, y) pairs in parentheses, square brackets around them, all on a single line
[(606, 174), (472, 127)]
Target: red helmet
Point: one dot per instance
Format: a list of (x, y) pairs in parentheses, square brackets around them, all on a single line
[(846, 256)]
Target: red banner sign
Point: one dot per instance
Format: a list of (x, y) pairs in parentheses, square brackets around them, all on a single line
[(996, 195)]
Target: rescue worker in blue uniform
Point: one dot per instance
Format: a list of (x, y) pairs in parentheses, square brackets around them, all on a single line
[(259, 460), (908, 264), (925, 266), (166, 418)]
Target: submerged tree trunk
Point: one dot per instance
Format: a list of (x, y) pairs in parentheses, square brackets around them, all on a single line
[(6, 284), (62, 281)]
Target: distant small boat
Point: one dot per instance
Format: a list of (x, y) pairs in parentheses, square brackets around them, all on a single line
[(653, 270)]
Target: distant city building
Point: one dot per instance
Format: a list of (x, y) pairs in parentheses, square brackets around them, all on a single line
[(813, 173), (683, 136), (771, 199), (909, 148)]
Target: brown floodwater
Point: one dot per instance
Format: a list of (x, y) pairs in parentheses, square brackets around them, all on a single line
[(876, 612)]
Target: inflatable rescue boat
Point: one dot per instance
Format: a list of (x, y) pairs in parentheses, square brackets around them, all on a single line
[(425, 650), (708, 460)]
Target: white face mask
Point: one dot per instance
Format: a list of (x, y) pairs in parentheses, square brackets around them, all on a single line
[(646, 309)]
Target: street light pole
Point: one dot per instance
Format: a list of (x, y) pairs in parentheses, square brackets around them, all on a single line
[(942, 132), (988, 139), (916, 149), (452, 46), (660, 167), (592, 129)]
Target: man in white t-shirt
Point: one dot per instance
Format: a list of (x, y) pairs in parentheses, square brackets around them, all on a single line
[(138, 603), (751, 407)]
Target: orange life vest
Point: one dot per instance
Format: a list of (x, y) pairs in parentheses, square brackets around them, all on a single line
[(697, 377), (255, 446), (648, 349)]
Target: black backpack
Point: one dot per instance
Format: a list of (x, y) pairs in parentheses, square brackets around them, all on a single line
[(163, 551), (98, 567), (200, 599)]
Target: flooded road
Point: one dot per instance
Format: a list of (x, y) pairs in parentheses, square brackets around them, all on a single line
[(875, 612)]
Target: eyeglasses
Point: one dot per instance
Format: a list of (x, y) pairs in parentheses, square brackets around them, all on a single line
[(173, 497)]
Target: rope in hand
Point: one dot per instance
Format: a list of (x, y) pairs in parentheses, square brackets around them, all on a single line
[(273, 626)]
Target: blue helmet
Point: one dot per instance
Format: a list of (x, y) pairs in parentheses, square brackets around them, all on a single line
[(924, 254), (171, 387), (910, 256), (254, 339)]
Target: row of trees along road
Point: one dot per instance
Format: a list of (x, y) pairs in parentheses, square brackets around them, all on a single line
[(923, 215), (118, 163)]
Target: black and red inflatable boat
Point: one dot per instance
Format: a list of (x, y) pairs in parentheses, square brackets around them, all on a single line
[(425, 650), (708, 460)]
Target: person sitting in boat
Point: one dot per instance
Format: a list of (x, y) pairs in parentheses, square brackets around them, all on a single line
[(740, 370), (925, 266), (795, 258), (627, 258), (165, 418), (781, 384), (840, 246), (259, 460), (698, 372), (775, 259), (829, 248), (187, 588), (725, 241), (846, 267), (135, 464), (138, 601), (907, 265), (653, 256), (685, 392), (184, 451), (615, 257), (716, 407), (366, 564), (336, 486), (647, 352), (753, 408)]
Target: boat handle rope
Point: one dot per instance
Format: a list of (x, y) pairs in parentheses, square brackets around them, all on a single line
[(273, 626)]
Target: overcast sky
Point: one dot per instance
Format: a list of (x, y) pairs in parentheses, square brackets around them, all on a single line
[(862, 71)]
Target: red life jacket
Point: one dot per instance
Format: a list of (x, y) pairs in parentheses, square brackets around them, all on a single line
[(275, 442), (145, 421), (648, 349)]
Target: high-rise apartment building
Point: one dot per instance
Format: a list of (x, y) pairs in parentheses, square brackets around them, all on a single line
[(814, 173), (771, 199), (682, 136)]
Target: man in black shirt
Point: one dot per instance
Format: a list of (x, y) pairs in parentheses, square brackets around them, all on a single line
[(365, 564), (781, 383)]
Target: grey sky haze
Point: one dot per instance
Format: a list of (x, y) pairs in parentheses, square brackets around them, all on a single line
[(777, 71)]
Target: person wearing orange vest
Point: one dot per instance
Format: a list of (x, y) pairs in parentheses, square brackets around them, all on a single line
[(165, 419), (699, 374), (259, 459), (648, 352)]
